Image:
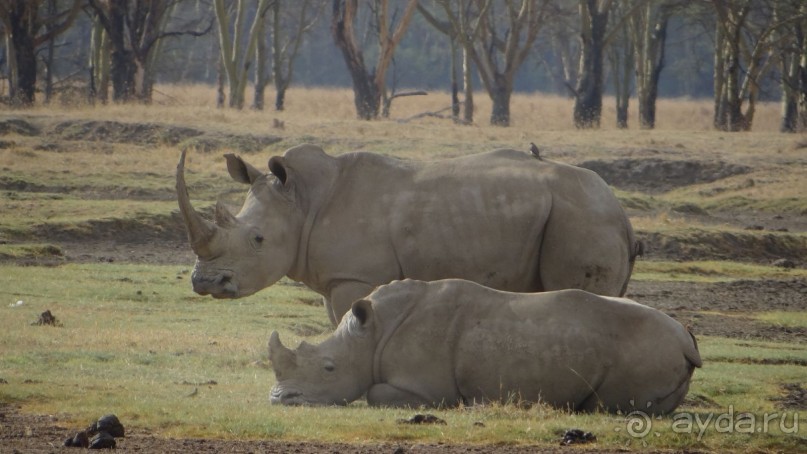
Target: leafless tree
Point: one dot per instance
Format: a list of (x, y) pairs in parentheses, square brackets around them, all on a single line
[(368, 83), (99, 63), (135, 29), (621, 59), (648, 29), (497, 41), (589, 89), (290, 22), (792, 49), (465, 67), (238, 44), (27, 24), (745, 48)]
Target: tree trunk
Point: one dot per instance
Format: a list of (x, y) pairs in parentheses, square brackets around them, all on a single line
[(734, 110), (261, 78), (102, 77), (621, 59), (455, 98), (468, 88), (11, 63), (366, 95), (122, 66), (52, 11), (790, 103), (280, 99), (649, 28), (235, 57), (802, 86), (368, 86), (23, 88), (122, 72), (22, 95), (731, 18), (588, 99), (647, 104), (623, 66), (720, 120), (277, 59), (220, 97), (500, 95), (49, 71)]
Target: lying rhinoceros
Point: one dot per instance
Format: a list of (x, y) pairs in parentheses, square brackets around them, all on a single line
[(443, 343), (344, 225)]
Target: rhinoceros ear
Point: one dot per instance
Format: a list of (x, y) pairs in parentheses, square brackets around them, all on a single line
[(363, 312), (278, 169), (240, 170)]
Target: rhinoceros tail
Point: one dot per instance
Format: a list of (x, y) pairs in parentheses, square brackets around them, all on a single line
[(693, 354)]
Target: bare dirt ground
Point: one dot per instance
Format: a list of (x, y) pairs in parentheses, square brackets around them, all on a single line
[(718, 309), (25, 433)]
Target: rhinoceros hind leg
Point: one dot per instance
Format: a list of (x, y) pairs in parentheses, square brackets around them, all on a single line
[(385, 395), (591, 257), (342, 296)]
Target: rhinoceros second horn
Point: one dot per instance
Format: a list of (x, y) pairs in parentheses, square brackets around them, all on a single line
[(279, 353)]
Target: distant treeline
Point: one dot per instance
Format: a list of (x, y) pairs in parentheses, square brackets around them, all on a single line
[(749, 50)]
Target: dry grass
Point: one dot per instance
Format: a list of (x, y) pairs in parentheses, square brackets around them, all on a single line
[(328, 115)]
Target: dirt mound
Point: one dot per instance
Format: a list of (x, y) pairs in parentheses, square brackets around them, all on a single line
[(134, 230), (246, 143), (694, 305), (117, 132), (735, 296), (794, 397), (655, 175), (17, 126), (737, 246), (159, 134), (86, 192)]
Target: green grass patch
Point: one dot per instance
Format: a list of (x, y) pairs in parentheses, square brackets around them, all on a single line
[(787, 319), (30, 250), (709, 271), (795, 205), (715, 349), (66, 212), (135, 341)]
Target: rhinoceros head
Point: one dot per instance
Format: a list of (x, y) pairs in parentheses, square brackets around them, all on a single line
[(335, 372), (237, 255)]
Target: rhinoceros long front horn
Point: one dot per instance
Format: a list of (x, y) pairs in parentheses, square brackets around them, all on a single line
[(200, 231)]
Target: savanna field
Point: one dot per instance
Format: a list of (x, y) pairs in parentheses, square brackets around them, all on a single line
[(90, 230)]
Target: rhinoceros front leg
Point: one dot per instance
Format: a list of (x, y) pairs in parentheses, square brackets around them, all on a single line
[(342, 296), (386, 395)]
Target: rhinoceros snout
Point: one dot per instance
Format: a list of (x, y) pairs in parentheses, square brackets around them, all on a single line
[(220, 285), (286, 397)]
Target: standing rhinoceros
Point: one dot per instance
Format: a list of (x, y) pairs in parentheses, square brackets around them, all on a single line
[(343, 225), (442, 343)]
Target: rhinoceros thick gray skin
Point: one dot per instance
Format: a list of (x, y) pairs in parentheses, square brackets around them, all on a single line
[(443, 343), (344, 225)]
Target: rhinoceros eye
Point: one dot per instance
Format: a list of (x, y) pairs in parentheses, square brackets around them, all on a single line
[(259, 239), (329, 366)]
